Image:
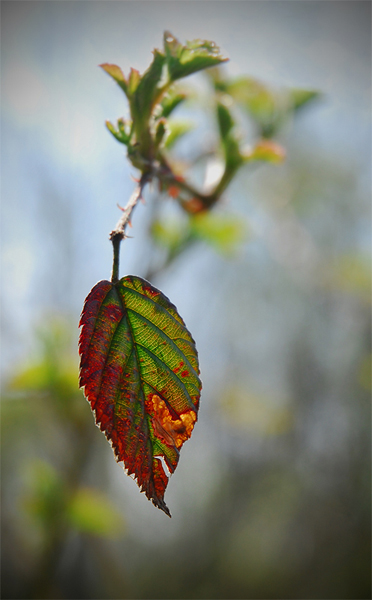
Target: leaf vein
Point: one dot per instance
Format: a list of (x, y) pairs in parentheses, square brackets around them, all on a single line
[(165, 335)]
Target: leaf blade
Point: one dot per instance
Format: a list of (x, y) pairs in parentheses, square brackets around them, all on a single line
[(184, 60), (117, 74), (140, 373)]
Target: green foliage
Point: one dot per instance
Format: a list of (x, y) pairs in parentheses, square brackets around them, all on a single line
[(301, 98), (146, 92), (268, 108), (153, 97), (170, 101), (176, 130), (45, 498), (223, 232), (192, 57), (261, 103), (51, 504), (90, 511), (117, 74), (123, 132), (52, 374), (266, 151), (230, 143), (43, 406)]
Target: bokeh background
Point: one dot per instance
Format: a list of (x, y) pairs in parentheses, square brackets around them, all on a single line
[(271, 498)]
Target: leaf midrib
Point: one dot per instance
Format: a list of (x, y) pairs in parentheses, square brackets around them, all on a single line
[(142, 400)]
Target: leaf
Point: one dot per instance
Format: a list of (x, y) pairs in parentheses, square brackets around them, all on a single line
[(45, 499), (194, 56), (257, 97), (177, 128), (122, 133), (169, 234), (230, 144), (139, 369), (301, 97), (90, 511), (117, 74), (133, 81), (171, 101), (160, 131), (147, 90), (173, 234), (225, 120), (222, 231), (267, 151), (264, 105), (225, 233)]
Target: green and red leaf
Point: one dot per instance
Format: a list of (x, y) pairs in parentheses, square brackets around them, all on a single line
[(140, 373)]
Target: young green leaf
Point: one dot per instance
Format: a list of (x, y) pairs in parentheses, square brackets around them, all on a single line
[(146, 93), (133, 81), (90, 511), (117, 74), (122, 133), (224, 232), (170, 102), (160, 131), (194, 56), (267, 151), (230, 144), (140, 373), (176, 130), (265, 107), (225, 120), (301, 97), (171, 234)]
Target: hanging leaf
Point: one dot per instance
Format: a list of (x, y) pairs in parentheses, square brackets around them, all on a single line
[(139, 369)]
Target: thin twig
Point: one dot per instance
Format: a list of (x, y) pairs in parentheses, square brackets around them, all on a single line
[(118, 233), (127, 211)]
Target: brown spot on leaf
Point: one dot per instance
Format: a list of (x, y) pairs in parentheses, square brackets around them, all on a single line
[(173, 432)]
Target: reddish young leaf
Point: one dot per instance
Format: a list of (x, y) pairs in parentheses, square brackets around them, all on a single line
[(140, 373)]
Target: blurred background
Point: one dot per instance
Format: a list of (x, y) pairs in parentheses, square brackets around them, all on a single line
[(271, 498)]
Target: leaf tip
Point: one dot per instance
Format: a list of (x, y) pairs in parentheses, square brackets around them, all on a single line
[(116, 73), (162, 506)]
